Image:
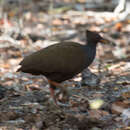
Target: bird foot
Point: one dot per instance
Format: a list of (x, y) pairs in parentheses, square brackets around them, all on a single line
[(62, 95)]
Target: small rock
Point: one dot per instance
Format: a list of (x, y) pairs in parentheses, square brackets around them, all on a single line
[(89, 79)]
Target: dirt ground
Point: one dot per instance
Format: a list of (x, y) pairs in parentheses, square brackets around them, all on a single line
[(99, 97)]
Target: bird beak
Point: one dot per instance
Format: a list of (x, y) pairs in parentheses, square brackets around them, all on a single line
[(104, 41)]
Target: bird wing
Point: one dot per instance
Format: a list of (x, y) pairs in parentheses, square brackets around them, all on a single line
[(64, 58)]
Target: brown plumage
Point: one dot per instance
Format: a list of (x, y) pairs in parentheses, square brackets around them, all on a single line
[(62, 61)]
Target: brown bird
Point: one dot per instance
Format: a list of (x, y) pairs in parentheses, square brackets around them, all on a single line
[(62, 61)]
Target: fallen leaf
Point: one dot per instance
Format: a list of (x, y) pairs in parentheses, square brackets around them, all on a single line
[(97, 114), (118, 107), (57, 22), (96, 104), (118, 27), (126, 95)]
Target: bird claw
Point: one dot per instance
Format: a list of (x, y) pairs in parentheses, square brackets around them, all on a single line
[(62, 96)]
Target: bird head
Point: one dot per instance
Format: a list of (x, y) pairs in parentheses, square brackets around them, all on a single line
[(94, 37)]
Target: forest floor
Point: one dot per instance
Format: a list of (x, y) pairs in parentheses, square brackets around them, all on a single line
[(99, 100)]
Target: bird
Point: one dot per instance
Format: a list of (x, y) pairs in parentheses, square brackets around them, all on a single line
[(62, 61)]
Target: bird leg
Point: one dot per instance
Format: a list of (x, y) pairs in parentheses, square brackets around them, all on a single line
[(62, 90), (52, 92)]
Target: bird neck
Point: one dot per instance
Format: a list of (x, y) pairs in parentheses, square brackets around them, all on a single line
[(91, 45), (91, 50), (91, 42)]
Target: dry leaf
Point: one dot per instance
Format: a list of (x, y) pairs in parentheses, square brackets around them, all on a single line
[(57, 22), (96, 104), (97, 114), (118, 107)]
